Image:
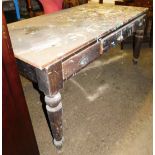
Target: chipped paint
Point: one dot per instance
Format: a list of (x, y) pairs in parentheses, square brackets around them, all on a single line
[(39, 40)]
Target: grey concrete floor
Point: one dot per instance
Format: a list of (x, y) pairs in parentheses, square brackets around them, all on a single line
[(107, 108)]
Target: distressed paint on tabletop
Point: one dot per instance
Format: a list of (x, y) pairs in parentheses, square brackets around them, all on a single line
[(46, 39)]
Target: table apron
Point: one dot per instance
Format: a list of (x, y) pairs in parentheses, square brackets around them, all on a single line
[(83, 57), (27, 70), (80, 60)]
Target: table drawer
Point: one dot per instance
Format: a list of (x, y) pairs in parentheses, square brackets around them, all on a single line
[(111, 40), (139, 23), (123, 33), (80, 60)]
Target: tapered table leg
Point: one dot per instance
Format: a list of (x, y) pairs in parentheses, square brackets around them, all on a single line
[(137, 41), (54, 110)]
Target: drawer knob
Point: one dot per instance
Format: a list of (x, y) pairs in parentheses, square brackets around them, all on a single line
[(84, 61), (120, 38), (140, 24)]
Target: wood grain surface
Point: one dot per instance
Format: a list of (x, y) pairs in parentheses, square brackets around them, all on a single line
[(47, 39)]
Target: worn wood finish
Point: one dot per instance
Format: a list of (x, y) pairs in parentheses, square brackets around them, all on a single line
[(18, 135), (27, 70), (137, 45), (55, 77), (80, 60), (54, 110), (79, 39), (50, 80), (65, 32), (138, 39)]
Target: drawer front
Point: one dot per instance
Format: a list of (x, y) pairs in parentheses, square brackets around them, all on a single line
[(80, 60), (122, 33), (112, 40)]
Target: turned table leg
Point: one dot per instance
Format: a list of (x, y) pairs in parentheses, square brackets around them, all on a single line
[(54, 110), (50, 81), (137, 41)]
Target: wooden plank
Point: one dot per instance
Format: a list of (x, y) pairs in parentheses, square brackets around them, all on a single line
[(47, 39)]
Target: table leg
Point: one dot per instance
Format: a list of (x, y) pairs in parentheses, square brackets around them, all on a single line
[(137, 41), (50, 81), (54, 110)]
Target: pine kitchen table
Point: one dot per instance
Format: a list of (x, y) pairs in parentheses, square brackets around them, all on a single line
[(50, 49)]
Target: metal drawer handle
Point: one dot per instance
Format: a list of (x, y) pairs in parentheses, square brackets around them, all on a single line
[(140, 24), (84, 61), (120, 38)]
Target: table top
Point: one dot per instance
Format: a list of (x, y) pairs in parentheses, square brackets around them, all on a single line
[(44, 40)]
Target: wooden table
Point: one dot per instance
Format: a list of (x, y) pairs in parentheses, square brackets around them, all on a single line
[(52, 48)]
